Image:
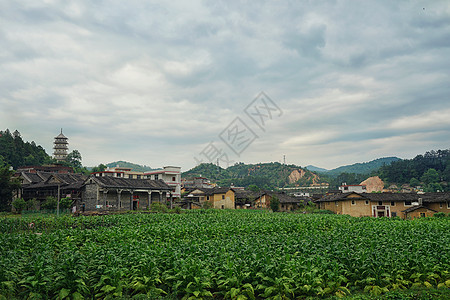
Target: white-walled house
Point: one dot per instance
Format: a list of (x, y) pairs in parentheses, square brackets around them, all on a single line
[(171, 176)]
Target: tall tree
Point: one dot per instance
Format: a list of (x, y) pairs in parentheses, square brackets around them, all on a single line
[(7, 186)]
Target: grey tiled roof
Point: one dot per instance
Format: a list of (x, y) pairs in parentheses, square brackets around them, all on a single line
[(114, 182), (413, 197), (413, 208)]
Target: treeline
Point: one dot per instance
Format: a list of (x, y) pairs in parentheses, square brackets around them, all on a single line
[(15, 152), (431, 171)]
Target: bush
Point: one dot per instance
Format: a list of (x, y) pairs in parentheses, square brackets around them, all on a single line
[(49, 203), (207, 205), (275, 204), (32, 204), (158, 207), (19, 204), (439, 215), (65, 202)]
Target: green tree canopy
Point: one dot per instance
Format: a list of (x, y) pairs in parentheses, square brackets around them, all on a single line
[(430, 176)]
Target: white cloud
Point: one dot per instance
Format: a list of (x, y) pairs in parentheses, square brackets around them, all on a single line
[(155, 82)]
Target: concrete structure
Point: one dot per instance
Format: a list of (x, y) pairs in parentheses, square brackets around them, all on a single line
[(197, 182), (358, 188), (61, 147), (171, 176)]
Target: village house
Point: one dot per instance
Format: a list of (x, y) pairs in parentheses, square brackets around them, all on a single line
[(404, 205), (114, 193), (287, 203), (40, 185), (169, 174), (221, 198)]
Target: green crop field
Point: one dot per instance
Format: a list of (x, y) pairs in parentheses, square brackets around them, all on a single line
[(220, 254)]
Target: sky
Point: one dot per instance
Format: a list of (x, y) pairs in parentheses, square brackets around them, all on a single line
[(324, 83)]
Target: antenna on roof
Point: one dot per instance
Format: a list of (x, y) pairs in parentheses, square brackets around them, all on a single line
[(61, 130)]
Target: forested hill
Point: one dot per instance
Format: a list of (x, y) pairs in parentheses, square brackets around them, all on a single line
[(357, 168), (125, 164), (15, 152), (366, 167), (264, 175), (431, 170)]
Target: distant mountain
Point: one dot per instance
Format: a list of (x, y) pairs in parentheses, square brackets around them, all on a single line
[(134, 167), (316, 169), (364, 168), (265, 175)]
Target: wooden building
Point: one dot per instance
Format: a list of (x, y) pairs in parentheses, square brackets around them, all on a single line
[(112, 193)]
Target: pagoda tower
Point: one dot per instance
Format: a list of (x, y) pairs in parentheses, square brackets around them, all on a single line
[(61, 147)]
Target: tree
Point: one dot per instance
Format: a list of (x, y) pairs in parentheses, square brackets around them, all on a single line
[(74, 159), (65, 202), (19, 204), (50, 203), (430, 176), (254, 188), (99, 168), (7, 186), (275, 204), (414, 182)]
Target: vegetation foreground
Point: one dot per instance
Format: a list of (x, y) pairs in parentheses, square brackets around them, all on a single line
[(221, 254)]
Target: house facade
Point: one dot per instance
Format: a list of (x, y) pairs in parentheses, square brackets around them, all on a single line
[(113, 193), (403, 205), (169, 174), (40, 185), (220, 198)]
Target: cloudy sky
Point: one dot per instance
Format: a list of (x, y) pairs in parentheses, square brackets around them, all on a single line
[(162, 83)]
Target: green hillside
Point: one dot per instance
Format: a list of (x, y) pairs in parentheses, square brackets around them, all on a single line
[(431, 171), (16, 153), (364, 168), (134, 167), (264, 175)]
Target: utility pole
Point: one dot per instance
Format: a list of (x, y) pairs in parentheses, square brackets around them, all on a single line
[(284, 159)]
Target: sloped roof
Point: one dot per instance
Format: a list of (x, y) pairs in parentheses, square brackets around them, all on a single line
[(284, 198), (413, 208), (413, 197), (66, 181), (128, 183)]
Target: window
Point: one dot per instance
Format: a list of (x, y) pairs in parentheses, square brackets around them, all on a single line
[(440, 205), (173, 178), (156, 176), (345, 188), (207, 198), (448, 205), (367, 202), (407, 203), (223, 206), (335, 202), (422, 215), (380, 202), (353, 202), (393, 214), (138, 176), (392, 203), (223, 196)]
